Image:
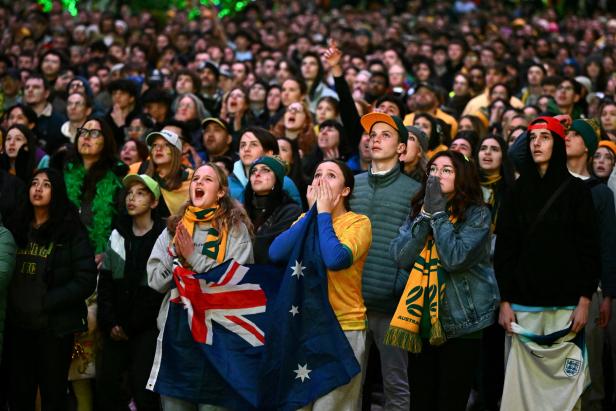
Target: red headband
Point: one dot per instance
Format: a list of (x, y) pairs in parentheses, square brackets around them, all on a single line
[(550, 123)]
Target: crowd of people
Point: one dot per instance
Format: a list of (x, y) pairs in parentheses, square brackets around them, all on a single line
[(459, 157)]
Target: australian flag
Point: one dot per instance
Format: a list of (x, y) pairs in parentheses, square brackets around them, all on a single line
[(255, 337)]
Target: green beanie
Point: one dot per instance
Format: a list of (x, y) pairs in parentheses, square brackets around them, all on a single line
[(276, 164), (589, 131)]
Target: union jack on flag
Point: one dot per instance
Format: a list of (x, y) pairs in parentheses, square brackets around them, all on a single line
[(224, 301)]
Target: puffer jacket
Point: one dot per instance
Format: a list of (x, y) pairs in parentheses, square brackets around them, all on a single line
[(386, 201)]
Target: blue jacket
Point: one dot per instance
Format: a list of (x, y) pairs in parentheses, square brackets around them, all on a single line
[(471, 293)]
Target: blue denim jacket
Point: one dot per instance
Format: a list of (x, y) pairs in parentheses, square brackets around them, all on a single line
[(471, 293)]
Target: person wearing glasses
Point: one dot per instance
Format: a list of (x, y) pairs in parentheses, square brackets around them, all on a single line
[(93, 178), (165, 166), (451, 293), (296, 124), (568, 94)]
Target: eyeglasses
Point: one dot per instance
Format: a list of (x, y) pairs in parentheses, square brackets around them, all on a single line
[(93, 133), (295, 109), (443, 172), (134, 129)]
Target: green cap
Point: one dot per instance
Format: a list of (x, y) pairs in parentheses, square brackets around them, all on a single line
[(144, 179)]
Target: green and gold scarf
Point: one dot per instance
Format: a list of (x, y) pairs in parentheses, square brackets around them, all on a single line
[(417, 315), (216, 241)]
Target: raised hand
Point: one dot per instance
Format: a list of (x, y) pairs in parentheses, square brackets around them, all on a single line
[(332, 56)]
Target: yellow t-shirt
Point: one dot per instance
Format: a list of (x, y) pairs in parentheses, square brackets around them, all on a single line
[(354, 232), (344, 286)]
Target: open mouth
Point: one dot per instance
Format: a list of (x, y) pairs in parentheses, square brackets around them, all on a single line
[(199, 193)]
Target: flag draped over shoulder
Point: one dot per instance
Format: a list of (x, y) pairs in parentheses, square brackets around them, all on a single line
[(308, 355), (255, 337)]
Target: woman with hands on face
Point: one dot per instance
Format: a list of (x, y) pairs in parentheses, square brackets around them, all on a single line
[(451, 293), (344, 240)]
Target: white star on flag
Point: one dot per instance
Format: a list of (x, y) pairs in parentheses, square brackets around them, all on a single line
[(298, 269), (294, 310), (302, 372)]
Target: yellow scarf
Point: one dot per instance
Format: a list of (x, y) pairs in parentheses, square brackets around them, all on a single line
[(415, 317), (216, 241)]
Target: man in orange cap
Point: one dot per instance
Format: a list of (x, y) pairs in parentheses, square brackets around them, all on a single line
[(384, 194)]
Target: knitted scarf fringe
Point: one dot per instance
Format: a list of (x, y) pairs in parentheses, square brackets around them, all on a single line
[(411, 341)]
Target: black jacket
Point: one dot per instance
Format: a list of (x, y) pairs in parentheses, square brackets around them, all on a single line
[(558, 261), (279, 220), (13, 197), (124, 297), (603, 200), (70, 278)]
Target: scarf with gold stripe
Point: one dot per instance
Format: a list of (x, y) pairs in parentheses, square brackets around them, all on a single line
[(216, 241), (417, 315)]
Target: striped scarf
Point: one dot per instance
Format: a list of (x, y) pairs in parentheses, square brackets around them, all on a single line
[(418, 311), (216, 241)]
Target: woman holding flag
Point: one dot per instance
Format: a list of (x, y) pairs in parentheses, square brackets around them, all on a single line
[(210, 229), (451, 292), (344, 240)]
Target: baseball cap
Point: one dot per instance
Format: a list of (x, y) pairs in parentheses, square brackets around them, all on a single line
[(209, 65), (370, 119), (171, 138), (146, 180), (552, 124), (218, 121)]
